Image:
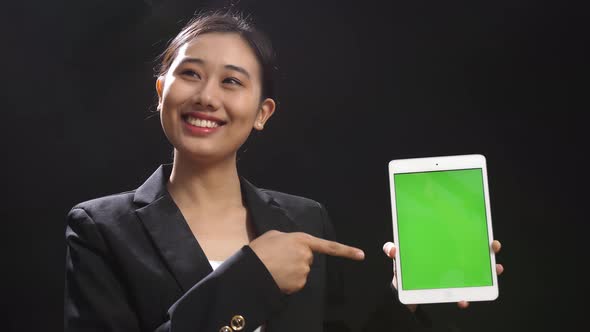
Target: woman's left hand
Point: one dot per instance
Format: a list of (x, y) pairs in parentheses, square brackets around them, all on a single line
[(390, 250)]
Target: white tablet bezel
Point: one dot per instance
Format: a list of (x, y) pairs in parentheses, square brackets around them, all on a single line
[(443, 163)]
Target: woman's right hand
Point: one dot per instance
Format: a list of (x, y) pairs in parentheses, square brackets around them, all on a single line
[(288, 256)]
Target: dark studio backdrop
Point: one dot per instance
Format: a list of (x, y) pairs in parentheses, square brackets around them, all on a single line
[(361, 83)]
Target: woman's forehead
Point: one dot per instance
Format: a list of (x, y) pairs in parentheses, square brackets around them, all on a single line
[(219, 50)]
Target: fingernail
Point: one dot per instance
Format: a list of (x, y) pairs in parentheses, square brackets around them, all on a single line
[(360, 254), (387, 248)]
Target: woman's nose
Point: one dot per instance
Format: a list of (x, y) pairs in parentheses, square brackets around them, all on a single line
[(208, 95)]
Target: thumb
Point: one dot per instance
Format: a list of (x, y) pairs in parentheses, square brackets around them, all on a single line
[(389, 249)]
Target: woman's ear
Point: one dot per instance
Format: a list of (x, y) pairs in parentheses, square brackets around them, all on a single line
[(267, 108), (159, 89)]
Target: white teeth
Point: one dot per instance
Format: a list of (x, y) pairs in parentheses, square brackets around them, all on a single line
[(201, 123)]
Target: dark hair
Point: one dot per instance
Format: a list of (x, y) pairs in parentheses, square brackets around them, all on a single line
[(234, 22)]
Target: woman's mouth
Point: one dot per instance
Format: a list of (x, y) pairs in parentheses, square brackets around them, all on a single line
[(201, 125), (200, 122)]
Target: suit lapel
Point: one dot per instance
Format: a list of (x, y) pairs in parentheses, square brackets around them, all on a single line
[(266, 214), (170, 231), (173, 237)]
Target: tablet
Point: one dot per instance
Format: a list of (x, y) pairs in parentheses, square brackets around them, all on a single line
[(442, 226)]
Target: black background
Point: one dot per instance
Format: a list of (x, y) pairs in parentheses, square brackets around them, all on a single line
[(361, 83)]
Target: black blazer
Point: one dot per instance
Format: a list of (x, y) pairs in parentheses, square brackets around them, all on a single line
[(133, 264)]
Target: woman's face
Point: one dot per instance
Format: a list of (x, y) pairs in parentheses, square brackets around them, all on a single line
[(209, 99)]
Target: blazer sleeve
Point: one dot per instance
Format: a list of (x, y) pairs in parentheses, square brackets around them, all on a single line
[(388, 314), (96, 298)]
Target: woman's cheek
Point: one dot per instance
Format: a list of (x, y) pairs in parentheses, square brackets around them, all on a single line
[(166, 124), (170, 120), (247, 107)]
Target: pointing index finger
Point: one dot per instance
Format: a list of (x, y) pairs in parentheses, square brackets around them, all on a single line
[(333, 248)]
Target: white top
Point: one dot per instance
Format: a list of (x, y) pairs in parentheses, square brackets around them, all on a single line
[(215, 265)]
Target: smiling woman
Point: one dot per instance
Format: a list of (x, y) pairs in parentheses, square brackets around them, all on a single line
[(197, 247), (210, 97)]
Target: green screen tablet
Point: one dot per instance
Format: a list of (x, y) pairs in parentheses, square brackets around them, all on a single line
[(442, 227)]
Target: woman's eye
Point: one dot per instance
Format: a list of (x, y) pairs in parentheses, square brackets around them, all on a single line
[(232, 80), (191, 73)]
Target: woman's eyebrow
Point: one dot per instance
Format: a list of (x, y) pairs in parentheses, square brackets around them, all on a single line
[(238, 69), (202, 62), (191, 60)]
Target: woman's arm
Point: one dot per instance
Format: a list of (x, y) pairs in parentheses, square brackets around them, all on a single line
[(96, 298)]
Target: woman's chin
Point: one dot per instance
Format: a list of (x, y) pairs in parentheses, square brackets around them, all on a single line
[(203, 155)]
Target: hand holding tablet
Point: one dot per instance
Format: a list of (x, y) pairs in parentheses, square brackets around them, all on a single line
[(442, 228), (390, 250)]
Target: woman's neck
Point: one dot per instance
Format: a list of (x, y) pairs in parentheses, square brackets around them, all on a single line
[(205, 186)]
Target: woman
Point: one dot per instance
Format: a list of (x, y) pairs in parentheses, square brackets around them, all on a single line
[(197, 247)]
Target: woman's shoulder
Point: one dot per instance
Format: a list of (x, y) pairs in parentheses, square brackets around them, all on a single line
[(113, 200), (298, 208), (290, 200), (309, 214), (106, 206), (103, 219)]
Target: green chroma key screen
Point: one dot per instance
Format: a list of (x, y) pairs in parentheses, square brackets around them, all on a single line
[(443, 235)]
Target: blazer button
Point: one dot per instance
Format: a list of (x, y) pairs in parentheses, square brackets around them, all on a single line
[(237, 323), (225, 329)]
